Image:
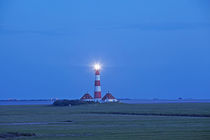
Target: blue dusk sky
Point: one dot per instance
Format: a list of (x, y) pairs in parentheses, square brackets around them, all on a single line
[(148, 48)]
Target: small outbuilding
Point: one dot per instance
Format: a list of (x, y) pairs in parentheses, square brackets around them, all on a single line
[(109, 98), (86, 97)]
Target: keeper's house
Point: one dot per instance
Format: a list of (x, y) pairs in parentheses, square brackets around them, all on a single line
[(86, 97), (109, 98)]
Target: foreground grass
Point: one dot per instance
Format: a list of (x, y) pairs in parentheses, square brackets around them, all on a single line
[(92, 122)]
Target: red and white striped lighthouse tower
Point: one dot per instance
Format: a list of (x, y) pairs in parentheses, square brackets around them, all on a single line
[(97, 90)]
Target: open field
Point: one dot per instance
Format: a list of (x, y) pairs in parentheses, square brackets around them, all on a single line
[(188, 121)]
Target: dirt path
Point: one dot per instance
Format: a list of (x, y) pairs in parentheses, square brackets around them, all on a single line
[(152, 114), (35, 123)]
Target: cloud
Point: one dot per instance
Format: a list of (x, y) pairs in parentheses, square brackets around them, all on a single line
[(159, 26), (45, 32)]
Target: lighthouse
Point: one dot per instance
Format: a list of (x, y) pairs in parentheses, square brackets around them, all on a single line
[(97, 90), (97, 86)]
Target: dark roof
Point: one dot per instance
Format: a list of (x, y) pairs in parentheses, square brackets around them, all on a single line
[(108, 96), (86, 96)]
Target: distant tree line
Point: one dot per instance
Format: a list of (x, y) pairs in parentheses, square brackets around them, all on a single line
[(71, 102)]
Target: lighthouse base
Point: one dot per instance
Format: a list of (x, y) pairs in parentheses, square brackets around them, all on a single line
[(97, 100)]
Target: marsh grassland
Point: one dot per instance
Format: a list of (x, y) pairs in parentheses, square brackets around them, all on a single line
[(178, 121)]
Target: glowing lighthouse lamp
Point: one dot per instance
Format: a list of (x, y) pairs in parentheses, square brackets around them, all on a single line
[(97, 89), (97, 67)]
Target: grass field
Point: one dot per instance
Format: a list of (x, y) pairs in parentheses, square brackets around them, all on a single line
[(109, 121)]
